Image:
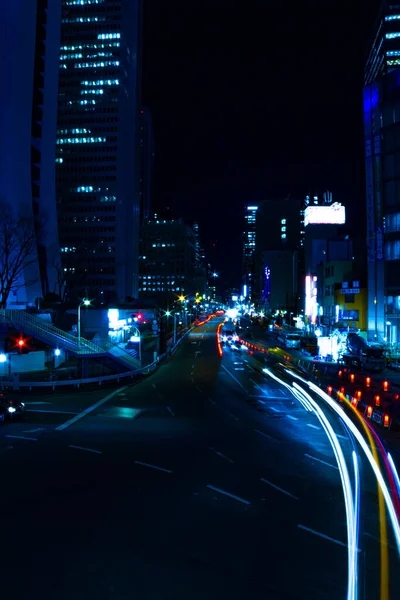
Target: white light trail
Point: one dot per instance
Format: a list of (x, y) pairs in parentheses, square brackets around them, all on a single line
[(351, 515), (395, 473), (368, 454)]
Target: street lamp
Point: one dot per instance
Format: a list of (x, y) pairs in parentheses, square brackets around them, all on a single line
[(84, 302)]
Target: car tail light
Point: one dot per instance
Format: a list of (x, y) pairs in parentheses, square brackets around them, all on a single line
[(377, 400), (368, 381), (385, 386), (369, 412), (340, 373), (386, 421), (329, 389), (352, 377)]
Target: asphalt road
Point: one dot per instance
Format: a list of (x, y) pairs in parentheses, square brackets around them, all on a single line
[(208, 480)]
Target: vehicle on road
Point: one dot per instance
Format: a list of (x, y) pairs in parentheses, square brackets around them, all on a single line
[(363, 355), (289, 340), (10, 409)]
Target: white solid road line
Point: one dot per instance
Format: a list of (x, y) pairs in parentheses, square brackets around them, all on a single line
[(22, 437), (322, 535), (313, 426), (90, 409), (278, 488), (321, 461), (143, 464), (170, 411), (274, 409), (234, 378), (293, 418), (211, 487), (85, 449)]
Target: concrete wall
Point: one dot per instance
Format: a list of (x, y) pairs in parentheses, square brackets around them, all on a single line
[(23, 363)]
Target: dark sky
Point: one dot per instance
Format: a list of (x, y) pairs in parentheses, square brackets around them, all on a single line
[(252, 100)]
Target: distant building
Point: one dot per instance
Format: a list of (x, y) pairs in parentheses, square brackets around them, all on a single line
[(280, 280), (146, 163), (98, 150), (249, 251), (30, 45), (167, 261)]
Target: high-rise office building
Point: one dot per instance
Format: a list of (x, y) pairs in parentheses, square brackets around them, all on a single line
[(249, 251), (98, 148), (381, 104), (29, 40), (146, 163), (384, 54)]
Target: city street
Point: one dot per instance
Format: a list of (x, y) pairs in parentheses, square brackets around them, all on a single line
[(209, 479)]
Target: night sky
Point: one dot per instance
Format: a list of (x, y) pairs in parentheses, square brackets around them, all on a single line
[(250, 102)]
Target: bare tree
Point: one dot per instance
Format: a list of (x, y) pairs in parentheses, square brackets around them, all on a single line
[(17, 251), (60, 285)]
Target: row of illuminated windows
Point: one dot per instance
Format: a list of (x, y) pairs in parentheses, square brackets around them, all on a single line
[(82, 2), (79, 130), (162, 245), (76, 55), (108, 36), (101, 82), (393, 53), (72, 250), (65, 227), (97, 92), (91, 140), (392, 36), (83, 20), (392, 17), (393, 62), (96, 65), (162, 289), (95, 46)]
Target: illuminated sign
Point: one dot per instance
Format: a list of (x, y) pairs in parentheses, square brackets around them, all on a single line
[(252, 208), (334, 214)]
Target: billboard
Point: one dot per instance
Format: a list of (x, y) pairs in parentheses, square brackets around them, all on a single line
[(333, 214)]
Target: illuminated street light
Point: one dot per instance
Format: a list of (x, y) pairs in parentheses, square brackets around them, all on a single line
[(84, 302)]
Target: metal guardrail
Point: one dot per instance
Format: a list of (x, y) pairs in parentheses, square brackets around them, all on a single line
[(147, 370)]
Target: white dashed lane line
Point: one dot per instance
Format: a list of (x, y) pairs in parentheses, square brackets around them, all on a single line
[(321, 461)]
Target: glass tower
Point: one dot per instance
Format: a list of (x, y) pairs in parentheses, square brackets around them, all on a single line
[(249, 251), (384, 54), (97, 157)]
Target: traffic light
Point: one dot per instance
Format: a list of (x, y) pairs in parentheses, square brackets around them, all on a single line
[(139, 317)]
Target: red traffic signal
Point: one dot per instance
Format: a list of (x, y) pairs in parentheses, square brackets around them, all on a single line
[(139, 316)]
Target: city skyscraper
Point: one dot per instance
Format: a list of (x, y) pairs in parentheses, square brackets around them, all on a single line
[(146, 162), (381, 105), (384, 54), (249, 251), (98, 149), (29, 40)]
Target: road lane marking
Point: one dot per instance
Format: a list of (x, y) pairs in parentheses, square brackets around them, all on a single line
[(85, 449), (274, 409), (237, 363), (266, 435), (22, 437), (154, 385), (52, 412), (221, 455), (239, 369), (322, 535), (170, 411), (212, 401), (28, 402), (198, 389), (233, 416), (321, 461), (343, 437), (211, 487), (313, 426), (122, 394), (279, 488), (33, 430), (89, 409), (293, 418), (143, 464), (234, 378), (192, 366)]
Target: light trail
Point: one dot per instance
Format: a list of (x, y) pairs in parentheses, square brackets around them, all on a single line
[(375, 467), (350, 507)]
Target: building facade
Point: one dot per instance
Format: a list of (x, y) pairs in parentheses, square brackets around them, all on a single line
[(384, 54), (146, 163), (167, 261), (381, 107), (98, 147), (30, 42), (249, 251)]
